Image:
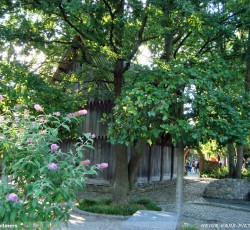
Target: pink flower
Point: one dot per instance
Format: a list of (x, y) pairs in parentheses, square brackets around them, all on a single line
[(52, 166), (18, 106), (54, 147), (44, 131), (17, 118), (38, 107), (102, 165), (1, 97), (70, 115), (85, 162), (82, 112), (29, 140), (57, 114), (12, 197), (26, 113), (93, 136)]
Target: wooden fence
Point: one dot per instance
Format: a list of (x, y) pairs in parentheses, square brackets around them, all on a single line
[(158, 163)]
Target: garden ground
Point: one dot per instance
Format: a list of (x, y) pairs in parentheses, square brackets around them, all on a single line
[(198, 211)]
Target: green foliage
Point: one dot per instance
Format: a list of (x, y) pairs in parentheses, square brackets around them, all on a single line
[(44, 177), (223, 172), (216, 173), (19, 85), (246, 173), (212, 149), (199, 35), (105, 206), (152, 98)]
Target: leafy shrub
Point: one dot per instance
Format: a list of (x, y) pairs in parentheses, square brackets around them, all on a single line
[(223, 172), (45, 179), (246, 174), (105, 206), (218, 173)]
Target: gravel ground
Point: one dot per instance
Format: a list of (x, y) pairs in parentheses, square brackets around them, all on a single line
[(163, 193)]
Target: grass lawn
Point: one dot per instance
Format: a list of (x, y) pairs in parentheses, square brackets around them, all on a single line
[(105, 206)]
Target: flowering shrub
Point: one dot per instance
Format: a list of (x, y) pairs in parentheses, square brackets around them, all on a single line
[(12, 197), (44, 178)]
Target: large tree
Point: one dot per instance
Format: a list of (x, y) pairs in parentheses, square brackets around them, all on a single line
[(184, 37), (194, 71), (113, 30)]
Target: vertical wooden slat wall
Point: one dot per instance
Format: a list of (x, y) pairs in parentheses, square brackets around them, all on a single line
[(155, 165)]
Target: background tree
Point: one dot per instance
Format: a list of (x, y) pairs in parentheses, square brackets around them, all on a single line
[(198, 76)]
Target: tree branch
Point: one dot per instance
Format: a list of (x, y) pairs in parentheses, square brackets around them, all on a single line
[(109, 8), (177, 38), (111, 32), (149, 38), (139, 40), (232, 15), (71, 24), (181, 43)]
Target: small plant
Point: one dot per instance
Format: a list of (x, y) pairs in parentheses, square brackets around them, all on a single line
[(246, 174), (44, 178), (223, 172), (105, 206), (218, 173)]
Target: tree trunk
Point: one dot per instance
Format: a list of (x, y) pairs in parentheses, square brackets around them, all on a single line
[(240, 149), (168, 34), (201, 159), (118, 77), (180, 174), (121, 171), (231, 163), (167, 55), (121, 163), (239, 161), (135, 161), (247, 79)]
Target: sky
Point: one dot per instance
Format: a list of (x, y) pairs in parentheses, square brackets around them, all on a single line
[(144, 58)]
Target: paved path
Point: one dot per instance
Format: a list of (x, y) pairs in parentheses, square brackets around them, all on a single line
[(82, 222), (213, 215)]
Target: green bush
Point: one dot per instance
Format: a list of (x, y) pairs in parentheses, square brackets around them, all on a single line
[(105, 206), (218, 173), (246, 174), (45, 178), (223, 172)]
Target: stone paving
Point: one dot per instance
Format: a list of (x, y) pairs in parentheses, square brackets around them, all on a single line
[(197, 211), (151, 220), (207, 216)]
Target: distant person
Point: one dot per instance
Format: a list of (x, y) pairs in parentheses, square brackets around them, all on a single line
[(193, 166), (197, 167), (188, 167)]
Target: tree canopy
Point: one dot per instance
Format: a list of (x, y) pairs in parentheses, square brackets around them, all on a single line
[(196, 89)]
